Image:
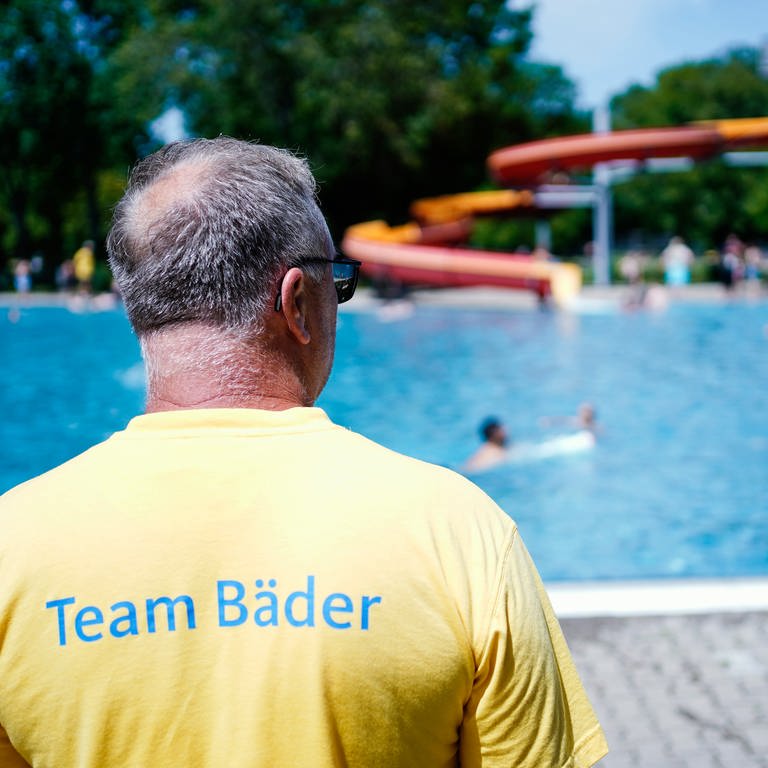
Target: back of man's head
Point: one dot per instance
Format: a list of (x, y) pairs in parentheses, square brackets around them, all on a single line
[(206, 227)]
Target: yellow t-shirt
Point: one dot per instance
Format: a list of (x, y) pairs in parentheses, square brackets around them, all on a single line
[(252, 588)]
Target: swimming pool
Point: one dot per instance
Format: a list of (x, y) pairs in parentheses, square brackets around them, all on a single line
[(677, 484)]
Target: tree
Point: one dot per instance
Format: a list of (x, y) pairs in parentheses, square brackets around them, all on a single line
[(390, 99), (726, 87), (712, 200), (57, 122)]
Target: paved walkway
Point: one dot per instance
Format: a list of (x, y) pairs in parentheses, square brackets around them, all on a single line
[(684, 691)]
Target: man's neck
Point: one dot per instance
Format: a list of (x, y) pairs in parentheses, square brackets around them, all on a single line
[(194, 368), (169, 402)]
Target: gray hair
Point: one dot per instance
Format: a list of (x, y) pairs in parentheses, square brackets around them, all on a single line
[(205, 228)]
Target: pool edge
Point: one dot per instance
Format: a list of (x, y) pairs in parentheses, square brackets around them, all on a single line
[(658, 597)]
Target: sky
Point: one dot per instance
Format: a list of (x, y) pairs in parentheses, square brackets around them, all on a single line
[(606, 45)]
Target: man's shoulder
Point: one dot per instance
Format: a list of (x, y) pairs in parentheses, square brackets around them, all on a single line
[(373, 456), (48, 486), (422, 483)]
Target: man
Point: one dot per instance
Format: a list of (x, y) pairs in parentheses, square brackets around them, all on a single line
[(234, 580), (493, 450)]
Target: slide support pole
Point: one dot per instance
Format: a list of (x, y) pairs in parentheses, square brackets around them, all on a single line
[(602, 212)]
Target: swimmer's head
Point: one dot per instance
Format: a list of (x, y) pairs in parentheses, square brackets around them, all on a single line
[(493, 431), (587, 414)]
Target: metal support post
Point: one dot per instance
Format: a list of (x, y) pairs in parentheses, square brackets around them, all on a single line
[(603, 209), (543, 234)]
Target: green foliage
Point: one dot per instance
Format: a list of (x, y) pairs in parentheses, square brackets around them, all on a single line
[(390, 99), (712, 200), (704, 205), (714, 89), (503, 234), (102, 278), (58, 124), (571, 230)]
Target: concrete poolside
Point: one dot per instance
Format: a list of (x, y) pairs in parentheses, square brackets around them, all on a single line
[(677, 671), (592, 298)]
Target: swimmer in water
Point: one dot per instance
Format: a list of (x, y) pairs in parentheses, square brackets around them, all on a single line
[(497, 448), (494, 449), (585, 419)]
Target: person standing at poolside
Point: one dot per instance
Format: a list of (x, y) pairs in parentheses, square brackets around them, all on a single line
[(217, 584), (731, 265), (677, 259), (84, 264)]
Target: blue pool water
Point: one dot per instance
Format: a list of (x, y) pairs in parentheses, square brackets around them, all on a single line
[(677, 484)]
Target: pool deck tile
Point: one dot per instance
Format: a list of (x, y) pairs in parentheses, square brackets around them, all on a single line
[(681, 690)]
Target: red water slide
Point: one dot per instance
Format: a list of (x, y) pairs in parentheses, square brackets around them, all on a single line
[(537, 161), (427, 251)]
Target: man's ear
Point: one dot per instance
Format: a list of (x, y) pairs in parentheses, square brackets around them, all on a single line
[(293, 294)]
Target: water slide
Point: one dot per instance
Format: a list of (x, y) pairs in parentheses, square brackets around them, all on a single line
[(537, 161), (428, 251)]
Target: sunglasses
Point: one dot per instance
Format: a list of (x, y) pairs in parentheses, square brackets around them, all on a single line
[(345, 274)]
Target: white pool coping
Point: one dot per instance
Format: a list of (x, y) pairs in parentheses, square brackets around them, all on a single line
[(658, 598)]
